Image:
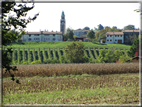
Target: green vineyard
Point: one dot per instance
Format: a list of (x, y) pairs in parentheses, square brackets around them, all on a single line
[(29, 55)]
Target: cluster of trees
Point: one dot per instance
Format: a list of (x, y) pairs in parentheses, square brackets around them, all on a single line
[(71, 37), (102, 33), (74, 52), (99, 32)]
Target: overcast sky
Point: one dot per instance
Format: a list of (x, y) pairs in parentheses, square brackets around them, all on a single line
[(79, 15)]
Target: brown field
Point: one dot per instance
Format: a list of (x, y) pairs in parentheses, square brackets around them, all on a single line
[(84, 89), (67, 69), (120, 86)]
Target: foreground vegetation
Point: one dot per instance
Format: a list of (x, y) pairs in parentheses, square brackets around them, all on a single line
[(73, 89)]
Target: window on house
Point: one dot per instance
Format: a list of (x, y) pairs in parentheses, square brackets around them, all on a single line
[(120, 35), (115, 35), (36, 34), (30, 35), (53, 38), (107, 35), (29, 39), (107, 40), (110, 40), (53, 34), (115, 40), (110, 35)]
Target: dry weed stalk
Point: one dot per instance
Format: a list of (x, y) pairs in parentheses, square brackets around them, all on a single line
[(66, 69)]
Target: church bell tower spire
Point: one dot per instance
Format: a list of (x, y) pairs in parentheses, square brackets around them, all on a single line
[(62, 23)]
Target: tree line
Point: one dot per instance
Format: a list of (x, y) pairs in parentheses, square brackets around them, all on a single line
[(98, 33)]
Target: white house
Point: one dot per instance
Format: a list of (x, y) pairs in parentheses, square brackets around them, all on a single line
[(114, 37), (42, 37)]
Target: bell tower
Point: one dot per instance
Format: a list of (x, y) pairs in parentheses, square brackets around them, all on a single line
[(62, 23)]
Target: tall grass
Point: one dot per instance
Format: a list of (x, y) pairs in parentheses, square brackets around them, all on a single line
[(67, 69)]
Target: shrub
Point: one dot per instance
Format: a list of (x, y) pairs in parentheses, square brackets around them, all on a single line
[(50, 61), (85, 59), (24, 62), (117, 54), (63, 60), (132, 50), (123, 59), (14, 63), (54, 61), (47, 61), (36, 62), (74, 52), (101, 57)]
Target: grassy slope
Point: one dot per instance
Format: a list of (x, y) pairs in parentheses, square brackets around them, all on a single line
[(74, 89), (63, 44)]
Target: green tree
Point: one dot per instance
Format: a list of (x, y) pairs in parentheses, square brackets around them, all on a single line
[(100, 27), (65, 37), (117, 54), (114, 27), (124, 58), (132, 50), (74, 52), (17, 22), (109, 56), (74, 36), (129, 27), (91, 34), (86, 28), (69, 34), (101, 57)]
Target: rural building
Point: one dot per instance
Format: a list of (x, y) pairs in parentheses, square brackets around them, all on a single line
[(128, 33), (81, 34), (121, 37), (102, 40), (46, 36), (42, 37), (114, 37)]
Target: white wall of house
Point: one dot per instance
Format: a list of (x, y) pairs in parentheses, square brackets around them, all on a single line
[(42, 38), (114, 38)]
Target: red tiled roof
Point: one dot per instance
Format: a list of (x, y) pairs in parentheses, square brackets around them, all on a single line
[(131, 31), (33, 33), (52, 32), (81, 30), (44, 32), (114, 33)]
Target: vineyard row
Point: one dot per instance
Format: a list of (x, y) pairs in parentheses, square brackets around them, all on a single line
[(22, 55)]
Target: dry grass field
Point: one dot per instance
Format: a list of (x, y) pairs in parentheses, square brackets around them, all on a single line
[(73, 84), (67, 69)]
